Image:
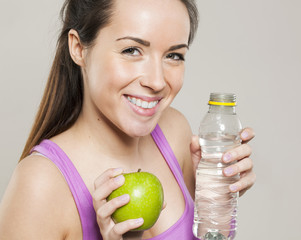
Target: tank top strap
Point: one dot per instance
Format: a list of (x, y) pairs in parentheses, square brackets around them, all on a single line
[(169, 156), (80, 192)]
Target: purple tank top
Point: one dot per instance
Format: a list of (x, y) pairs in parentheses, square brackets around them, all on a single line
[(182, 229)]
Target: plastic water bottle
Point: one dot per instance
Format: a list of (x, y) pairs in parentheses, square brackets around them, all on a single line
[(215, 205)]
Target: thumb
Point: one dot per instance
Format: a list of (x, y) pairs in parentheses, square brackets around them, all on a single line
[(194, 145), (195, 152)]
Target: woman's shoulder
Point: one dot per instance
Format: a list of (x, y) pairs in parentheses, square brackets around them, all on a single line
[(173, 115), (177, 131), (175, 124), (34, 201)]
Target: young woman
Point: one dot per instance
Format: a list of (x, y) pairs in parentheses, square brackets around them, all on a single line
[(105, 111)]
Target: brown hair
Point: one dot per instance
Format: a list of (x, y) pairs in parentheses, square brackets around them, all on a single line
[(62, 101)]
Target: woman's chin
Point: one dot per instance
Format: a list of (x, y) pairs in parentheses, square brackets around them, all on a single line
[(140, 130)]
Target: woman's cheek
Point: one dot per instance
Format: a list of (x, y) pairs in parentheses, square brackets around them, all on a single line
[(176, 79), (126, 72)]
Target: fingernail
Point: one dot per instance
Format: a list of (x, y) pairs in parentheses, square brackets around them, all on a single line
[(118, 171), (119, 179), (227, 157), (229, 171), (245, 134), (139, 220), (233, 188), (124, 198)]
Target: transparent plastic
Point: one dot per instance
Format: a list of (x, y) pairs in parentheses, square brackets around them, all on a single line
[(215, 212)]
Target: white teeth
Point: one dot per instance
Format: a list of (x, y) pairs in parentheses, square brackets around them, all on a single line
[(150, 105), (138, 103), (143, 104)]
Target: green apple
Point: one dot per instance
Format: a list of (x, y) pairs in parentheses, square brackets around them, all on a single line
[(146, 199)]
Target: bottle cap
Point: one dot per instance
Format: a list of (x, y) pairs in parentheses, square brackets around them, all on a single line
[(222, 99)]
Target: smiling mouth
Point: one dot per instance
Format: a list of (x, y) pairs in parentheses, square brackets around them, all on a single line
[(142, 103)]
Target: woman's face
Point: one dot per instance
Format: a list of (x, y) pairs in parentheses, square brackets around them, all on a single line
[(136, 66)]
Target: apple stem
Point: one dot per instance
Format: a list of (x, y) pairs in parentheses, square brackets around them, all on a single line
[(139, 170)]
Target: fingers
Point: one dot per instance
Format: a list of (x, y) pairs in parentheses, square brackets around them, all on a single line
[(239, 167), (110, 173), (246, 181), (110, 230), (247, 176), (121, 228), (194, 145), (106, 210), (237, 153), (104, 191), (247, 134), (104, 185), (243, 165), (195, 151)]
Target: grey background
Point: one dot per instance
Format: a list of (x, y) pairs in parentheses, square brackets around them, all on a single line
[(250, 47)]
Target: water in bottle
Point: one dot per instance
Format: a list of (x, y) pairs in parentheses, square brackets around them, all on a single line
[(215, 205)]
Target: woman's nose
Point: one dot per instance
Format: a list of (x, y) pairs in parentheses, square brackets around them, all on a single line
[(154, 77)]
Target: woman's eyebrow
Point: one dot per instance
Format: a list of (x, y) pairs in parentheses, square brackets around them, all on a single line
[(138, 40), (175, 47), (147, 43)]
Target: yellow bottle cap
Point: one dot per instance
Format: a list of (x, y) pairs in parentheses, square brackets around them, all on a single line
[(222, 103)]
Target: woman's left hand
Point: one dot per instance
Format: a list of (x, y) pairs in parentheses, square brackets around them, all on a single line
[(243, 164), (239, 156)]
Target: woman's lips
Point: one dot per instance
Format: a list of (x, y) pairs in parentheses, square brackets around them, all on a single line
[(142, 103), (145, 106)]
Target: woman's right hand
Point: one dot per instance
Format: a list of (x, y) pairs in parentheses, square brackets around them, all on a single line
[(107, 182)]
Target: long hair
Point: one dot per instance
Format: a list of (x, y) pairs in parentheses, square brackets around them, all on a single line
[(62, 101)]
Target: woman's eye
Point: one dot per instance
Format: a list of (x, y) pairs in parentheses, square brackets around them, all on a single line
[(131, 51), (176, 56)]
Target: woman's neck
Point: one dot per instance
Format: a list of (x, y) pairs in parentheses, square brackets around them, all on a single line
[(106, 138)]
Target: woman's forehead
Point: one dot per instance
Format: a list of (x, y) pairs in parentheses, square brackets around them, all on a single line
[(150, 17)]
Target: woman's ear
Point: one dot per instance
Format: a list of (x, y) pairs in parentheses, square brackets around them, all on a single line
[(76, 49)]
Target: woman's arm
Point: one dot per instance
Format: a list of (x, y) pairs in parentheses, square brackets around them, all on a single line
[(32, 207)]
